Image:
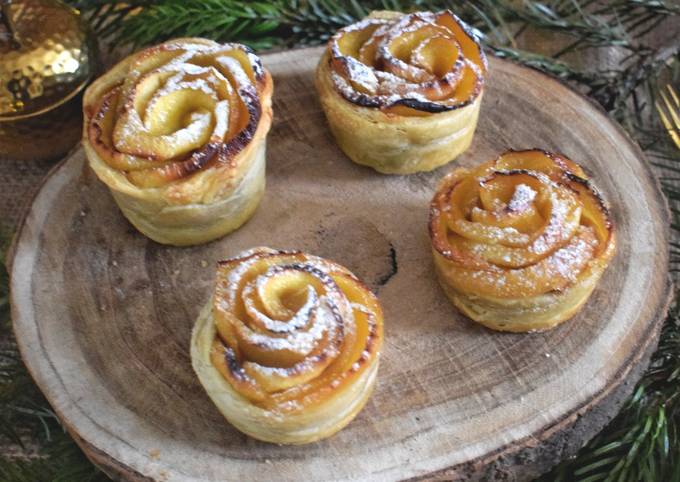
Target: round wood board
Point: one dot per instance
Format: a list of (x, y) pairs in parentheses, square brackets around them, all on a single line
[(103, 316)]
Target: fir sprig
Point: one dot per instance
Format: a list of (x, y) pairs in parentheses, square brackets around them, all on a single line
[(143, 22), (286, 23), (643, 441)]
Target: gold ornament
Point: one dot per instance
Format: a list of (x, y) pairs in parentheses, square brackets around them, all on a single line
[(47, 57)]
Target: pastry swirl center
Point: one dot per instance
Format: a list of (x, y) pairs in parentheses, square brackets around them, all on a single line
[(291, 328), (179, 108), (527, 223), (418, 63)]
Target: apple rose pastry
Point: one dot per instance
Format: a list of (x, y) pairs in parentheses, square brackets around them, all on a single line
[(520, 242), (177, 132), (288, 346), (402, 92)]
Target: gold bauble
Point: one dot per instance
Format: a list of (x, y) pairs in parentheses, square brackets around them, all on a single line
[(47, 57)]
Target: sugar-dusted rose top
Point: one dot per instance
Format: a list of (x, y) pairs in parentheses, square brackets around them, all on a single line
[(172, 110), (525, 224), (424, 62), (292, 329)]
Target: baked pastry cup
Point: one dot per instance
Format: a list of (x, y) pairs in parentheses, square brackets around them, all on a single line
[(288, 346), (402, 92), (177, 132), (520, 242)]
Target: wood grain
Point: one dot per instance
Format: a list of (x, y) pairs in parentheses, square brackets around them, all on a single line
[(103, 316)]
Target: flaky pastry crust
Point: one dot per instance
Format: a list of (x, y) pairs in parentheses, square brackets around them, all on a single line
[(519, 243), (177, 132), (402, 92), (288, 346)]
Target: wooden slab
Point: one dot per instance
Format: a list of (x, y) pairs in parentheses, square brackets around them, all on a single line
[(103, 315)]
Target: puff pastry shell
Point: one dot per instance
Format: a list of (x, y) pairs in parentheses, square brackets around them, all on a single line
[(520, 242), (288, 346), (177, 132), (402, 92)]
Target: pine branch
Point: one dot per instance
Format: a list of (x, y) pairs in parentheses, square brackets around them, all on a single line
[(43, 450), (642, 443), (221, 20), (589, 30), (643, 440), (61, 461)]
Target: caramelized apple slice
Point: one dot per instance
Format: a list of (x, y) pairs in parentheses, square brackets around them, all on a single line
[(553, 165), (281, 367), (171, 171), (348, 42), (421, 59), (554, 272), (225, 361), (437, 55), (282, 294), (178, 110), (478, 218), (277, 379), (469, 47), (360, 345), (595, 213), (100, 134), (400, 48)]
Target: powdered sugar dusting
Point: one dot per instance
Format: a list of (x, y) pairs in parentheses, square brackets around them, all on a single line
[(521, 198), (152, 126), (399, 78), (300, 342), (484, 258), (315, 331)]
